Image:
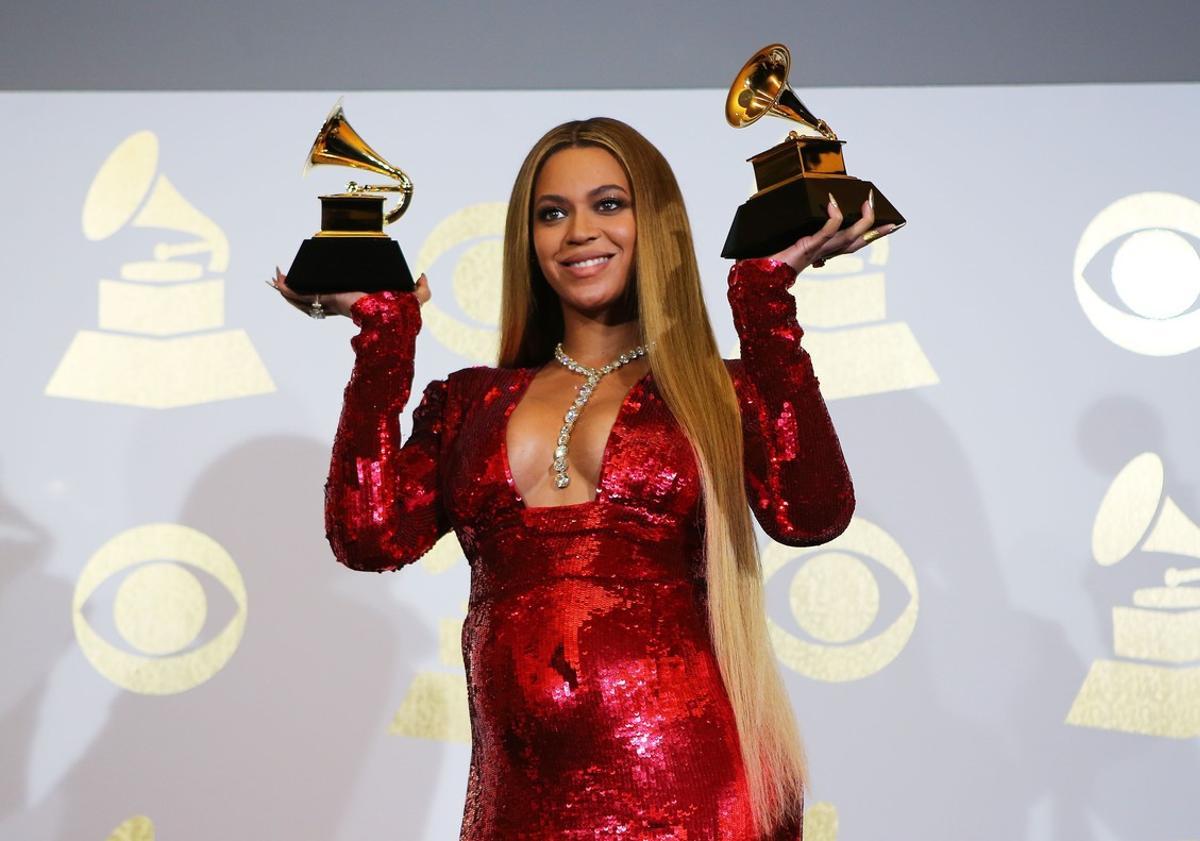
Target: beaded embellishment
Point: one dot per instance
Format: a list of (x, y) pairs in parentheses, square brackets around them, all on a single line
[(559, 465)]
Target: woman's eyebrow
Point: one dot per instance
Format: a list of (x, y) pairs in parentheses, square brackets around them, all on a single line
[(607, 187), (601, 189)]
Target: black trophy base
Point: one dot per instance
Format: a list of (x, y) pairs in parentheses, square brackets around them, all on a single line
[(772, 220), (325, 265)]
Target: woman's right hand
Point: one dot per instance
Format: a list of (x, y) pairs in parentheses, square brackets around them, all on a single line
[(831, 240), (337, 303)]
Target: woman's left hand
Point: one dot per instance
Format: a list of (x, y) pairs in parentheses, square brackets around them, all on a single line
[(815, 249)]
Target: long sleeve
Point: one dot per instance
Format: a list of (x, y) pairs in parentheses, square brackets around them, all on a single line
[(796, 476), (383, 506)]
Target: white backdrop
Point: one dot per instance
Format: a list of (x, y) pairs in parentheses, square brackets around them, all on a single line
[(997, 648)]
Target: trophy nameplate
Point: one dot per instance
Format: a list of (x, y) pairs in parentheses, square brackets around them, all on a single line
[(351, 252), (350, 214), (796, 177)]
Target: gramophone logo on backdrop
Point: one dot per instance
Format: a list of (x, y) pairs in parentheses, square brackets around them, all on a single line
[(435, 706), (855, 350), (1154, 689), (160, 344), (137, 828), (1155, 273)]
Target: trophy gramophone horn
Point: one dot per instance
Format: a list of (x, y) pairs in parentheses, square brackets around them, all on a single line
[(338, 144), (761, 87)]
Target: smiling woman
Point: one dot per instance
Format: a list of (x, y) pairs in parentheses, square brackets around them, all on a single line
[(620, 677), (584, 226), (584, 234)]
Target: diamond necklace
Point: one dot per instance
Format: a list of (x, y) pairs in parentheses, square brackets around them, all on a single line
[(561, 479)]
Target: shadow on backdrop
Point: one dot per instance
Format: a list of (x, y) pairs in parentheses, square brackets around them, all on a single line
[(279, 743)]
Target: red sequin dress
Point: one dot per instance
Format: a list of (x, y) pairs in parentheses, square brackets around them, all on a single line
[(597, 707)]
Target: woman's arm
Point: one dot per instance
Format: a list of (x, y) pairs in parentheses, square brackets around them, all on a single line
[(796, 477), (383, 507)]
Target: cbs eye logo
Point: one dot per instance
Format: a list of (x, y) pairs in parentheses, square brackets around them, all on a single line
[(1155, 273), (473, 238), (835, 599), (159, 609)]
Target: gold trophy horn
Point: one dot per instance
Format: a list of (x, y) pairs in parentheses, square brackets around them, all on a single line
[(795, 178), (338, 144), (351, 252), (761, 87)]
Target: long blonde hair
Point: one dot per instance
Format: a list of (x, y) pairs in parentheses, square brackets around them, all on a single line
[(695, 385)]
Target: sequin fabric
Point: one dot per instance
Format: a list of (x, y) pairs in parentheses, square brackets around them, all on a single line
[(596, 703)]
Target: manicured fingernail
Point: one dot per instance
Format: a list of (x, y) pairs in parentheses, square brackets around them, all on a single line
[(871, 198), (833, 201), (901, 225)]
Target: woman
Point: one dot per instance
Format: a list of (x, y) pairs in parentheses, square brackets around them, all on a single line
[(620, 677)]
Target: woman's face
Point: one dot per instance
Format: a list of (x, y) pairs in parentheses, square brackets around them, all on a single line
[(584, 228)]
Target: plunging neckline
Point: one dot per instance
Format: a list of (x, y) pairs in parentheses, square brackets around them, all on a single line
[(522, 388)]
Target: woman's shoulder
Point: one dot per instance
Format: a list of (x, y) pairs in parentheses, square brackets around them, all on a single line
[(452, 396), (476, 373), (469, 382)]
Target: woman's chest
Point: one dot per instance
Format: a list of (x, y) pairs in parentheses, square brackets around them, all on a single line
[(644, 460)]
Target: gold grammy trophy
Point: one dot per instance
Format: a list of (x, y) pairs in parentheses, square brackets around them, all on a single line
[(351, 252), (796, 177)]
